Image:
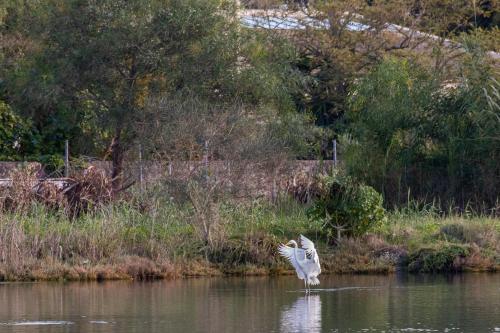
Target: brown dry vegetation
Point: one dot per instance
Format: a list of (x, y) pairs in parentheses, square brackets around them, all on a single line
[(84, 192)]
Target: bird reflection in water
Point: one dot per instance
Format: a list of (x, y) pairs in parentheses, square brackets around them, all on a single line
[(303, 316)]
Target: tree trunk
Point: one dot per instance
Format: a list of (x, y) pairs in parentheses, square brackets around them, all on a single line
[(117, 162), (117, 146)]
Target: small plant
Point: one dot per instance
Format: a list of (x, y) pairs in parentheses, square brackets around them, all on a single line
[(204, 197), (347, 207)]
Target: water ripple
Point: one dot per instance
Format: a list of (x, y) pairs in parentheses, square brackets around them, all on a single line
[(38, 322)]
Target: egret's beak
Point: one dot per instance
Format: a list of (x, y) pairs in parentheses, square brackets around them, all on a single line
[(290, 243)]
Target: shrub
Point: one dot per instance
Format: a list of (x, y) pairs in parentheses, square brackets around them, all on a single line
[(347, 206), (20, 140), (447, 258)]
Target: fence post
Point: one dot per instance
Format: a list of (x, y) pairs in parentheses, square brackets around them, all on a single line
[(274, 191), (141, 172), (334, 153), (205, 160), (66, 158)]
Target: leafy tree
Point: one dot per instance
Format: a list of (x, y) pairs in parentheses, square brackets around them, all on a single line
[(111, 56), (347, 207), (96, 65), (355, 38), (359, 34), (389, 109), (413, 134), (29, 83)]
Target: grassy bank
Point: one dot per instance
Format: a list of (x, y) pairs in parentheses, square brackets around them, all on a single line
[(166, 241)]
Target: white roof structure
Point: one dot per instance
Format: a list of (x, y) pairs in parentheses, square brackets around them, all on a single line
[(284, 19)]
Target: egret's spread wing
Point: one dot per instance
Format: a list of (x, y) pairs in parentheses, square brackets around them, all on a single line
[(288, 253), (307, 244), (315, 257)]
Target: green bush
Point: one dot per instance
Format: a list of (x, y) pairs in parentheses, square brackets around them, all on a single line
[(347, 207), (447, 258)]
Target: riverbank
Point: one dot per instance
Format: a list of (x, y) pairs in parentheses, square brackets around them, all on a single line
[(125, 241)]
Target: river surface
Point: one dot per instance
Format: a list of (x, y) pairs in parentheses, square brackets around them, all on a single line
[(396, 303)]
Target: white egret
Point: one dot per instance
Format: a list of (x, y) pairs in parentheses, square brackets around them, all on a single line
[(305, 260)]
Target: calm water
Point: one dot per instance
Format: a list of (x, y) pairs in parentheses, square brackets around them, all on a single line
[(460, 303)]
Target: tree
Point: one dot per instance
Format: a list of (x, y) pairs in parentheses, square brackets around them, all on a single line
[(413, 134), (180, 126), (108, 57), (96, 64), (350, 37), (340, 41)]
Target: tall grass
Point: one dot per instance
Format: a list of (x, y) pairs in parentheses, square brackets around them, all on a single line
[(150, 236), (165, 232)]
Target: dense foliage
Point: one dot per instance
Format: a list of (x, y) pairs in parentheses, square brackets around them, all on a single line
[(347, 207), (412, 136), (415, 116)]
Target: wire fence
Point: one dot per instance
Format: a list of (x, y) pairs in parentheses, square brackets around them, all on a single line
[(243, 177)]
